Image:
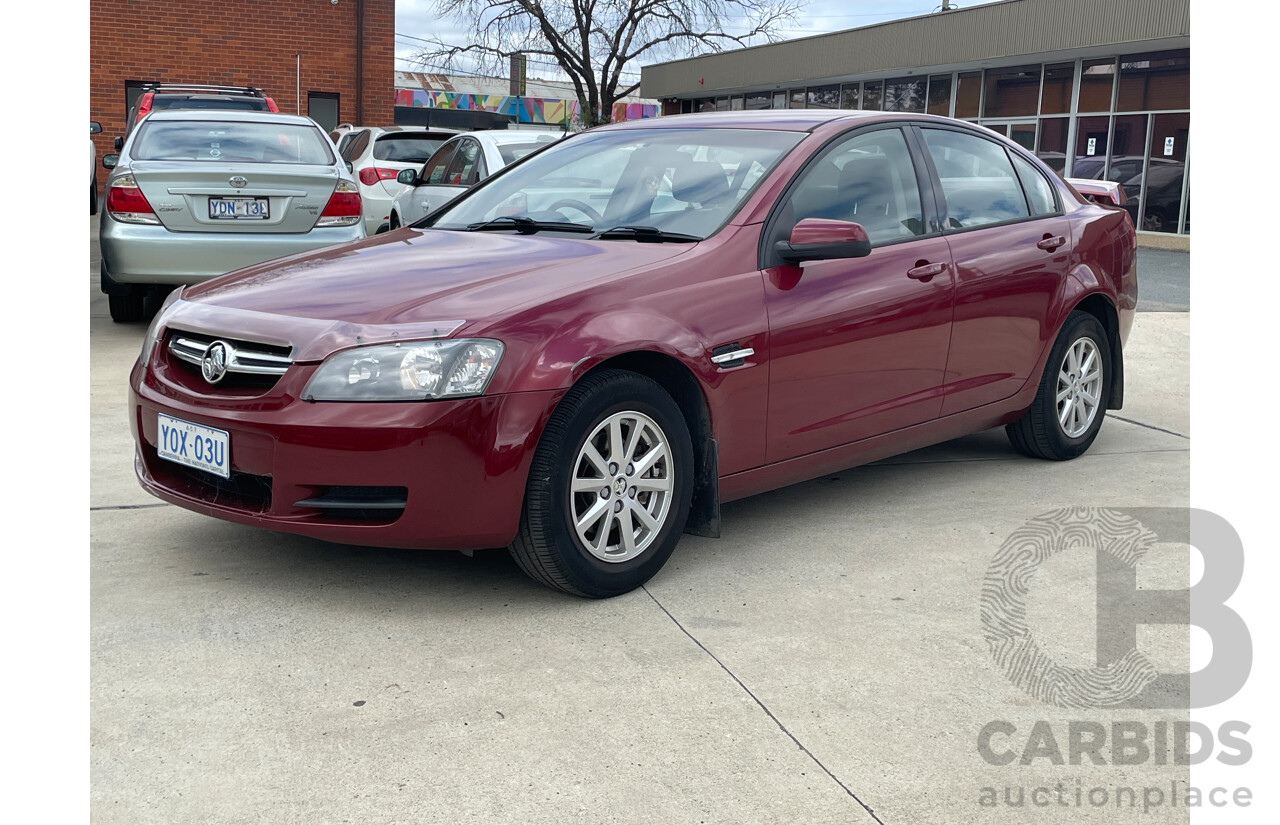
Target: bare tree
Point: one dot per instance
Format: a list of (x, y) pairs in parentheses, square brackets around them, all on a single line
[(594, 41)]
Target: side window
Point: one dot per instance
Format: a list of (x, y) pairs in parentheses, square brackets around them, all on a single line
[(1039, 192), (868, 179), (356, 146), (438, 164), (978, 181), (463, 166)]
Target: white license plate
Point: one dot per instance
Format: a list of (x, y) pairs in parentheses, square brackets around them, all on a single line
[(193, 445), (252, 208)]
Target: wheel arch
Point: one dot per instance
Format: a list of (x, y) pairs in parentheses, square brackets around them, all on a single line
[(1100, 307), (683, 387)]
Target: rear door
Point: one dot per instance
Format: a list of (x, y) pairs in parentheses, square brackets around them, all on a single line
[(857, 346), (1011, 245)]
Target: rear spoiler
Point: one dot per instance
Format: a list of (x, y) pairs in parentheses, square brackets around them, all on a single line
[(1099, 191)]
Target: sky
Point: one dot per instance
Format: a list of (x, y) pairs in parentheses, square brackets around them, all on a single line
[(417, 20)]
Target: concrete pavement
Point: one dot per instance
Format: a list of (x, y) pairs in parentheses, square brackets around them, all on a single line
[(822, 662)]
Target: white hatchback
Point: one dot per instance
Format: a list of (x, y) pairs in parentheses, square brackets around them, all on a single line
[(461, 162), (377, 154)]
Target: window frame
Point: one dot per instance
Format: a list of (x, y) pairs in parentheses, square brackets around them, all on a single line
[(940, 197), (768, 258)]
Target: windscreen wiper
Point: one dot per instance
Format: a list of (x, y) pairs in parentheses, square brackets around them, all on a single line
[(527, 226), (643, 234)]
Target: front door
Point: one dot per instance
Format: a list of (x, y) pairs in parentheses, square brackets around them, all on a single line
[(858, 347)]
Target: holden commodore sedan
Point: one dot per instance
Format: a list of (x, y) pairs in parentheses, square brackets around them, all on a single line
[(582, 357), (196, 193)]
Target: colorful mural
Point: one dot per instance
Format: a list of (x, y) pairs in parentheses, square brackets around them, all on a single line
[(530, 109)]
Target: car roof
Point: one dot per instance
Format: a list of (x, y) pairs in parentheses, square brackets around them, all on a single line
[(794, 120), (502, 136), (231, 115), (384, 129)]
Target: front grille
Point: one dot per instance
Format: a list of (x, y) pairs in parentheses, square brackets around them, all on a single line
[(249, 365)]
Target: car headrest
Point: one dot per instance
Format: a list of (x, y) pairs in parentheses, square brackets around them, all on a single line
[(699, 181)]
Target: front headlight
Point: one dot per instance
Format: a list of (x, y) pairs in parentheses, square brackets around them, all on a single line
[(410, 371), (157, 326)]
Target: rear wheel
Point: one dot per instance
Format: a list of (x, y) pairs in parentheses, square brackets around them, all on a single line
[(127, 308), (609, 488), (1072, 399), (394, 223)]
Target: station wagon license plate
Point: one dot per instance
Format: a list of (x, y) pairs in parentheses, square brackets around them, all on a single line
[(203, 448), (251, 208)]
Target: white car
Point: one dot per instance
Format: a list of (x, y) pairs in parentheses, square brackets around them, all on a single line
[(377, 154), (461, 162)]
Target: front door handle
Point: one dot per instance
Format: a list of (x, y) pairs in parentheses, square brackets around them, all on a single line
[(925, 271), (1052, 243)]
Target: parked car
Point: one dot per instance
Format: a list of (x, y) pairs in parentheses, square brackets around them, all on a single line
[(196, 193), (157, 97), (94, 128), (378, 154), (584, 356), (460, 162)]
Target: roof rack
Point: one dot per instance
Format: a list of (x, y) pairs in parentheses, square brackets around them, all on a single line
[(197, 87)]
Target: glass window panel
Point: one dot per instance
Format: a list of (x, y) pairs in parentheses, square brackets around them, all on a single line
[(1038, 191), (1158, 80), (1097, 77), (736, 103), (758, 100), (1023, 134), (1059, 80), (904, 94), (977, 178), (869, 179), (1124, 163), (797, 98), (1165, 172), (824, 97), (1052, 146), (779, 100), (940, 95), (871, 95), (1011, 92), (722, 104), (849, 94), (706, 104), (1091, 148), (686, 107), (968, 94)]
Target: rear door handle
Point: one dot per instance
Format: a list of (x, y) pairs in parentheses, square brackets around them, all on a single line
[(925, 271), (1052, 243)]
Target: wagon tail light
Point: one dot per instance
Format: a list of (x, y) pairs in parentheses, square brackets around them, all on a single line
[(343, 208), (144, 105), (127, 204), (372, 174), (271, 105)]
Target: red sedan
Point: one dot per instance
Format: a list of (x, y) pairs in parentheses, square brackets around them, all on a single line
[(583, 356)]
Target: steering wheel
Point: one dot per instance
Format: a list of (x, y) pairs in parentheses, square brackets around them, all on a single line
[(578, 205)]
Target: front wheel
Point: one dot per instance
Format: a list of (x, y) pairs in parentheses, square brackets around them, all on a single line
[(1072, 399), (609, 488)]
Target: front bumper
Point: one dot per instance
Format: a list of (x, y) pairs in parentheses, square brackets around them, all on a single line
[(142, 254), (461, 465)]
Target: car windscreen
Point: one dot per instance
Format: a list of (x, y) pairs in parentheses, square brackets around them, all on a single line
[(686, 181), (247, 104), (406, 147), (231, 142)]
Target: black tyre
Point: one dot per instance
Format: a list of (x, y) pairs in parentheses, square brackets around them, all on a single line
[(93, 199), (127, 308), (609, 488), (394, 222), (1072, 399)]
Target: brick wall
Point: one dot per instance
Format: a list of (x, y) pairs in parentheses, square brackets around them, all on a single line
[(241, 43)]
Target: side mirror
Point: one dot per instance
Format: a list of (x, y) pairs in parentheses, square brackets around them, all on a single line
[(110, 161), (94, 127), (819, 239), (117, 144), (407, 176)]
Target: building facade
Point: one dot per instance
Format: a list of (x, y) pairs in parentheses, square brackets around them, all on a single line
[(330, 59), (1097, 88)]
